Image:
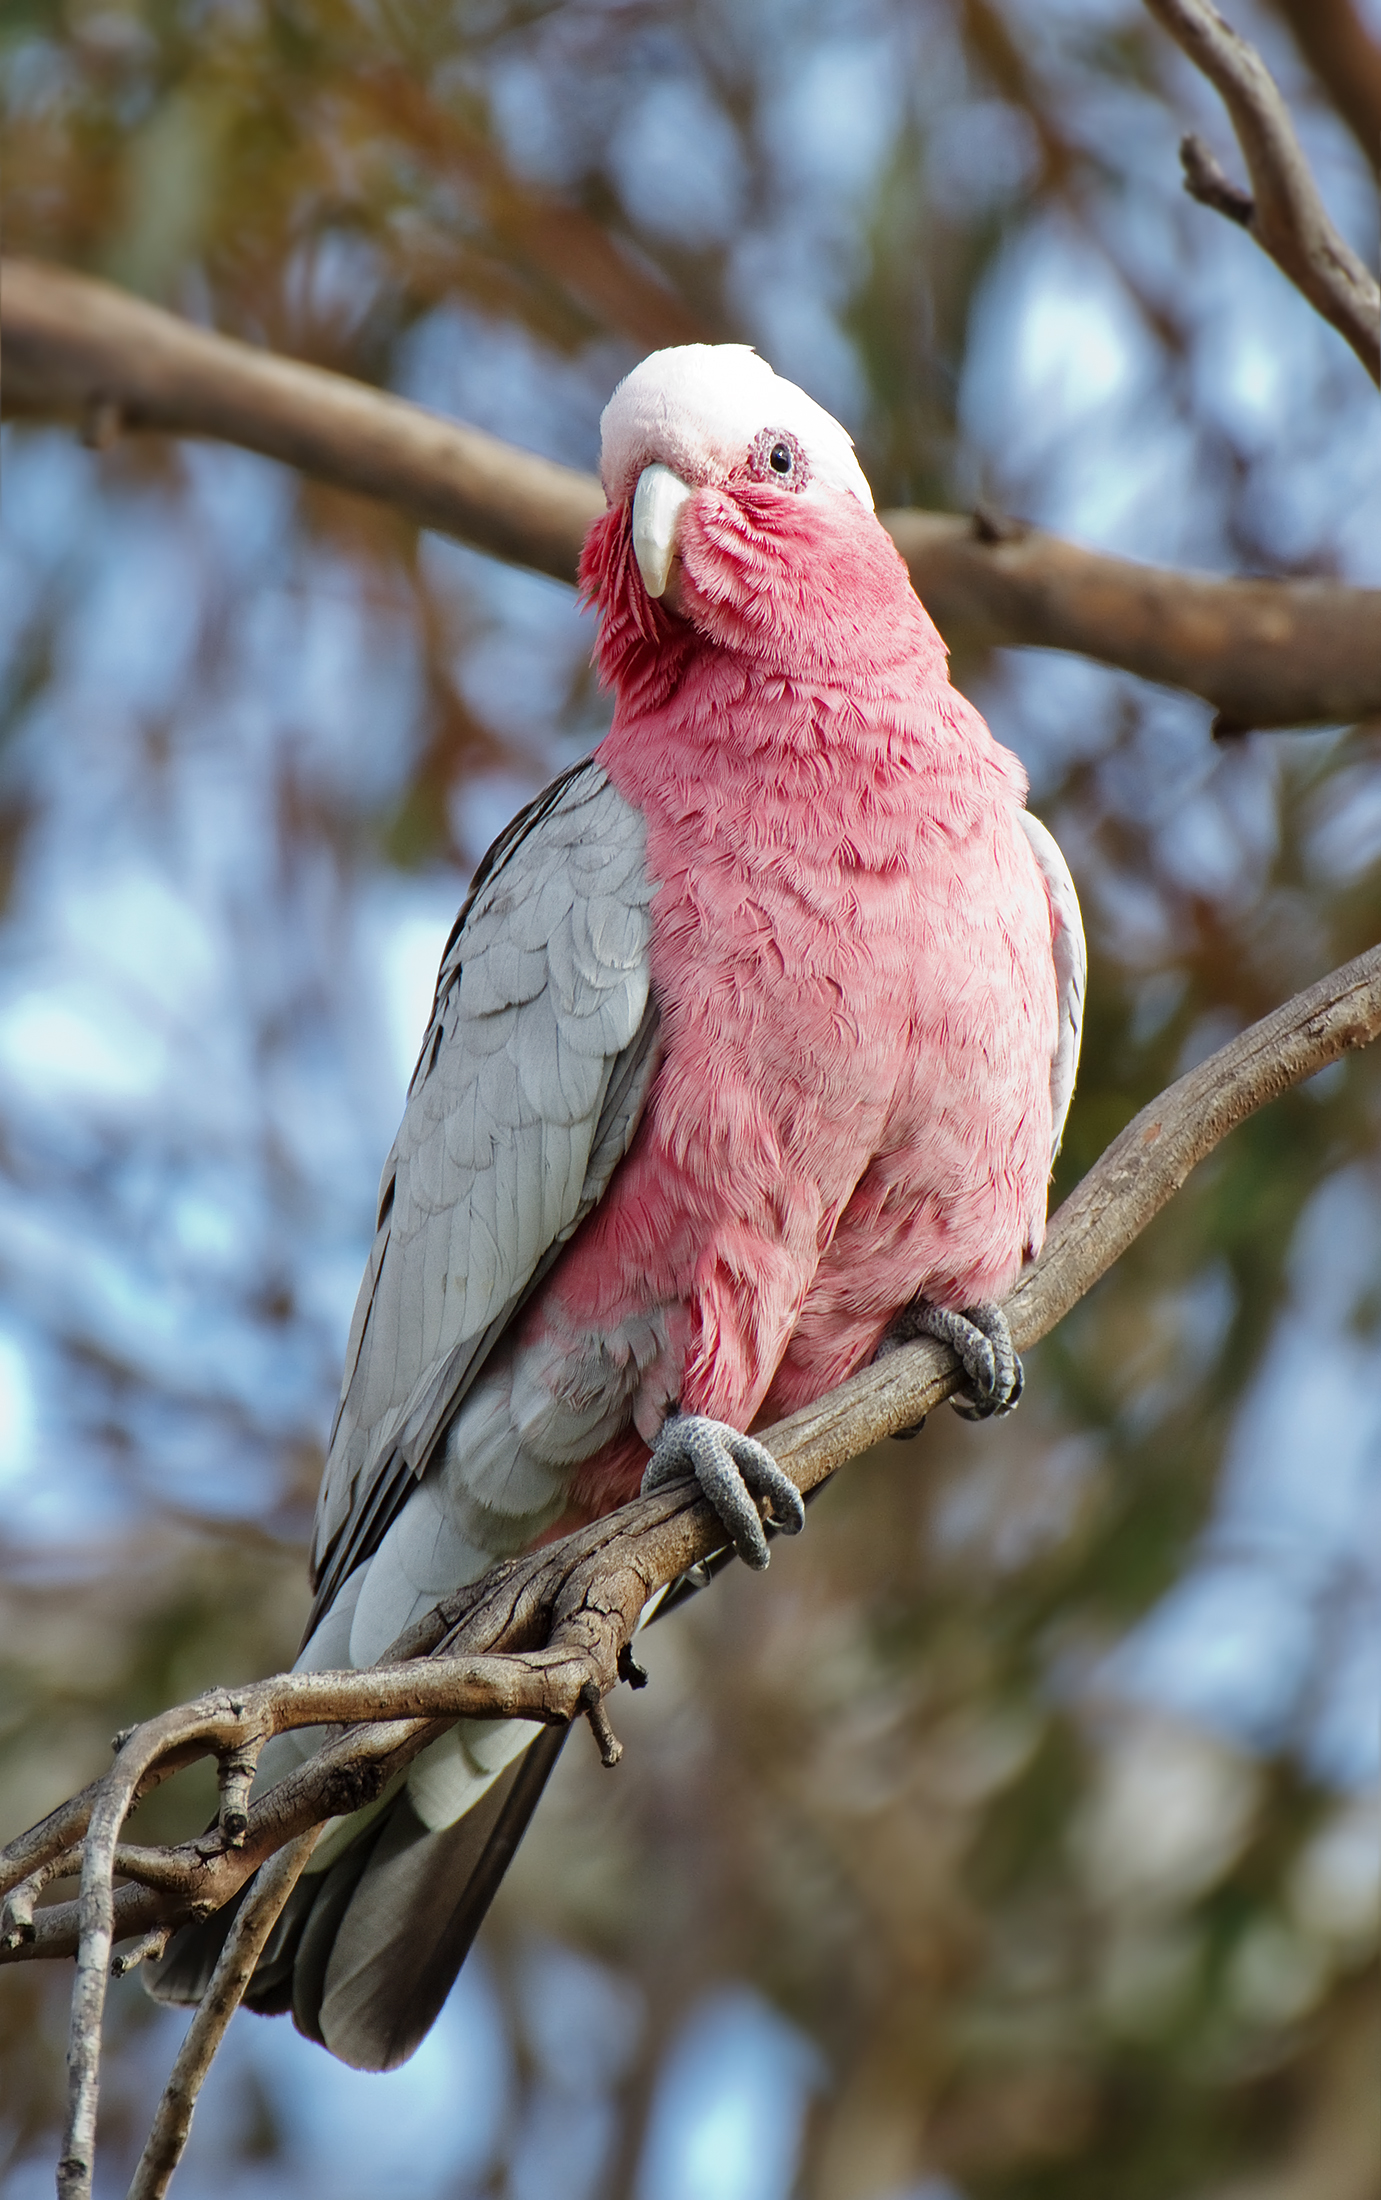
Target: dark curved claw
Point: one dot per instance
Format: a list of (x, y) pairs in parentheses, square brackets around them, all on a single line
[(732, 1469), (981, 1341)]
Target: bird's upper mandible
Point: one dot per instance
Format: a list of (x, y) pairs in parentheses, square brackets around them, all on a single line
[(658, 502)]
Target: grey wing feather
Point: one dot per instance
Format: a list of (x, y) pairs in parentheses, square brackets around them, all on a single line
[(1071, 969), (534, 1068)]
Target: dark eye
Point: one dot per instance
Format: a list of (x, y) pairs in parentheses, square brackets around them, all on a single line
[(776, 455)]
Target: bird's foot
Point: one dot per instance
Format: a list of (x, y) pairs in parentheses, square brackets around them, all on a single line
[(733, 1470), (981, 1341)]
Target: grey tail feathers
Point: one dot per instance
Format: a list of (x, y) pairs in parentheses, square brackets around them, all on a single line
[(366, 1952)]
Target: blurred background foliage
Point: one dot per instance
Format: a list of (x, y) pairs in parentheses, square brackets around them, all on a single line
[(1016, 1838)]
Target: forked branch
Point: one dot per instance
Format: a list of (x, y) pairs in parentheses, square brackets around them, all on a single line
[(1283, 210), (545, 1637)]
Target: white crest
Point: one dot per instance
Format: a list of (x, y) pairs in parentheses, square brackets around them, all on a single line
[(698, 409)]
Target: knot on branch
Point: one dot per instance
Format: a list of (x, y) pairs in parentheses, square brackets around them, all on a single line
[(353, 1787), (992, 525), (236, 1777)]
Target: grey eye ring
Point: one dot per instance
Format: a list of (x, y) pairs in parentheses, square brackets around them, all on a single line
[(776, 456)]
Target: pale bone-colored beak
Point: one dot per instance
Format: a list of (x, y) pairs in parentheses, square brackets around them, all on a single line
[(657, 506)]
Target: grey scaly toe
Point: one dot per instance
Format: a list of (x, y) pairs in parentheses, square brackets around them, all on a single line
[(732, 1470)]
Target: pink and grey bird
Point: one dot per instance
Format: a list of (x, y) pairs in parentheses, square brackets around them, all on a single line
[(750, 1053)]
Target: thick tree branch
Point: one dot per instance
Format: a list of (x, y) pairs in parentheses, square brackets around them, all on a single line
[(1285, 213), (542, 1637), (1264, 653), (82, 349)]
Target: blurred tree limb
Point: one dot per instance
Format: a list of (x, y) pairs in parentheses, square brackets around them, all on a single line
[(1284, 211), (545, 1636), (1264, 653), (1347, 61)]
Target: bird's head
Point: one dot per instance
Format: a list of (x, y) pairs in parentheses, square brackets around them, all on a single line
[(739, 516)]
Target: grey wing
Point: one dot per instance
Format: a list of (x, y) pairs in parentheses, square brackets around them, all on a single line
[(1071, 969), (540, 1050)]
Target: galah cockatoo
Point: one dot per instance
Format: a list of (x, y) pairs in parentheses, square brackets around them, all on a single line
[(750, 1052)]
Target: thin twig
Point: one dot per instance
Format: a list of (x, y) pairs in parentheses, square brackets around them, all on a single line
[(68, 1823), (606, 1740), (17, 1913), (114, 1800), (234, 1969), (1211, 185), (1263, 653), (147, 1949), (1285, 212)]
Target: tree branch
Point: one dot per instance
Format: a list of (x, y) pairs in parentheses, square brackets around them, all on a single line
[(1285, 213), (1347, 60), (1263, 653), (234, 1969), (82, 349), (543, 1636)]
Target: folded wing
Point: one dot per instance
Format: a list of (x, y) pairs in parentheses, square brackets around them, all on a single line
[(534, 1068), (1071, 970)]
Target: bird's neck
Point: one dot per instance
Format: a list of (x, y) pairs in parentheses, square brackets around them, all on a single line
[(775, 589), (807, 768), (808, 684)]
